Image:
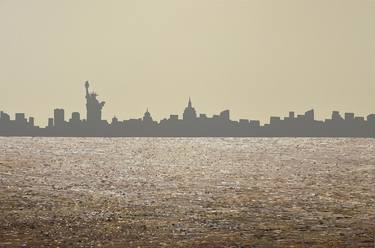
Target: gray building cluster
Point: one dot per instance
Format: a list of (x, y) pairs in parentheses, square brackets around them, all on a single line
[(191, 125)]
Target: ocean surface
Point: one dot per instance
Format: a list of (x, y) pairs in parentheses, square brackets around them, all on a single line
[(187, 192)]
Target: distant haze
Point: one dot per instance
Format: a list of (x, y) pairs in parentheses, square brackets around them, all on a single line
[(256, 58)]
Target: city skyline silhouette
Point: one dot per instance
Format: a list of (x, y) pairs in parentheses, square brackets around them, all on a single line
[(215, 123), (256, 58), (192, 124)]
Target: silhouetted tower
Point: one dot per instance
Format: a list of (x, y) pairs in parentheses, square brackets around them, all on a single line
[(21, 119), (224, 115), (189, 112), (336, 116), (59, 117), (93, 106), (76, 119), (50, 122), (309, 115)]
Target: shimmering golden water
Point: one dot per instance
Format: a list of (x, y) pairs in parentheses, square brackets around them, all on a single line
[(198, 192)]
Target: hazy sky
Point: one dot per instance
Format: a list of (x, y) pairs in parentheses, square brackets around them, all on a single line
[(255, 57)]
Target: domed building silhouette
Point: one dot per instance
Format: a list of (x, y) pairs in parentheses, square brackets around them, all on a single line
[(147, 119)]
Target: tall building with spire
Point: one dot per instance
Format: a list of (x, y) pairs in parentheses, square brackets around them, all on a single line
[(93, 106), (189, 112)]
